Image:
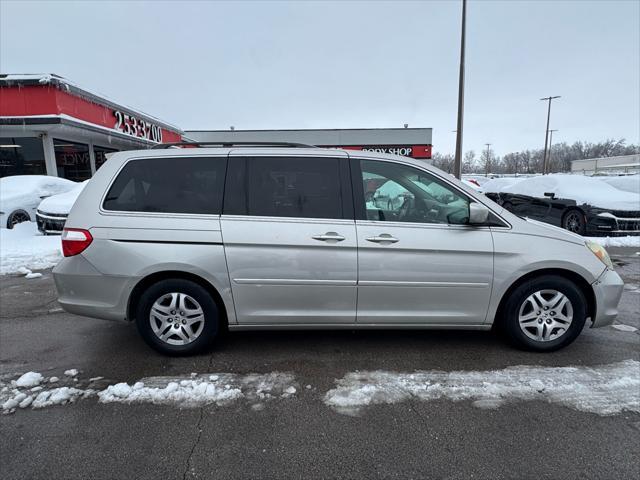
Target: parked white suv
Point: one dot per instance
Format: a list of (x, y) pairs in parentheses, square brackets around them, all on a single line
[(188, 241)]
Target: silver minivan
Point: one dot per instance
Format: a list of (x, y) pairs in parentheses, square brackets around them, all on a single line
[(186, 242)]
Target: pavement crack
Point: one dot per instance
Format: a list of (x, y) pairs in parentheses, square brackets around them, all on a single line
[(195, 444), (199, 428)]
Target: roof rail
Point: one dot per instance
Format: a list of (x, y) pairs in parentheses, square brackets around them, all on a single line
[(233, 144)]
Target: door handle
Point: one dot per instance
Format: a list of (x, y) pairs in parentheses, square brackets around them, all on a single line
[(329, 237), (382, 238)]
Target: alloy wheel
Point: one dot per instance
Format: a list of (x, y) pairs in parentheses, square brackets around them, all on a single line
[(176, 318), (545, 315), (573, 222)]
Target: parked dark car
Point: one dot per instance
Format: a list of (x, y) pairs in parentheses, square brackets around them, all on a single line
[(566, 213)]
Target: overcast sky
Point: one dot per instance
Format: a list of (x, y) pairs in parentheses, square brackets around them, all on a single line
[(209, 65)]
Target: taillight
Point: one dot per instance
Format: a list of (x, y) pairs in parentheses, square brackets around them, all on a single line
[(75, 241)]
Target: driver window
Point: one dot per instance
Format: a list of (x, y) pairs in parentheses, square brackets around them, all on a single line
[(398, 193)]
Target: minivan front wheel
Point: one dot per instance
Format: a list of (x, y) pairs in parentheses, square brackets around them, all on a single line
[(177, 317), (544, 314)]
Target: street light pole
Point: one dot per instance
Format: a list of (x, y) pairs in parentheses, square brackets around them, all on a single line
[(457, 164), (546, 135)]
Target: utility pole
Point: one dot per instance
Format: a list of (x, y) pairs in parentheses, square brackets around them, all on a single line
[(486, 164), (545, 167), (550, 145), (457, 163)]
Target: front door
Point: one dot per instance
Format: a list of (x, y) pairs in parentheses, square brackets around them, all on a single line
[(418, 260), (290, 239)]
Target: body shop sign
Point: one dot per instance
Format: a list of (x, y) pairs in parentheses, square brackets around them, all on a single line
[(137, 127), (413, 151)]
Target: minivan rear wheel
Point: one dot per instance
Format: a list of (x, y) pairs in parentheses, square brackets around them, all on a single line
[(177, 317), (544, 314)]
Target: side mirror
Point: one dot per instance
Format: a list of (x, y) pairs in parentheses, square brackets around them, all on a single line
[(478, 214), (549, 194)]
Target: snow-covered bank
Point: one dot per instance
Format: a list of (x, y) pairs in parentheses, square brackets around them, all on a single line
[(34, 390), (604, 390), (24, 247), (627, 241)]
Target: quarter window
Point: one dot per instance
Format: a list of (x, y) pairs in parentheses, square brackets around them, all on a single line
[(169, 185), (300, 187), (398, 193)]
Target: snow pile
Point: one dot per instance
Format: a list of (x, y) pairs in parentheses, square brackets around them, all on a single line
[(34, 390), (29, 379), (627, 241), (628, 183), (201, 390), (62, 203), (497, 185), (23, 248), (604, 390), (587, 190)]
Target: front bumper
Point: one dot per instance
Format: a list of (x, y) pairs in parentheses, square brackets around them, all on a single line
[(608, 290), (614, 223), (50, 223)]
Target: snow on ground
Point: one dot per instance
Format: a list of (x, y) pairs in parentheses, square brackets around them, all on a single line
[(481, 179), (589, 190), (23, 247), (199, 390), (624, 328), (627, 241), (629, 183), (29, 379), (33, 390), (604, 390)]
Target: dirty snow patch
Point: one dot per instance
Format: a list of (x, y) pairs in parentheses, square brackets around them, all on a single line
[(624, 328), (628, 241), (188, 391), (29, 379), (604, 390), (199, 390)]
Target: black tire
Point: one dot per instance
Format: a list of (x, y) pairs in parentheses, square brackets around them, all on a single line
[(509, 321), (194, 291), (16, 217), (574, 221)]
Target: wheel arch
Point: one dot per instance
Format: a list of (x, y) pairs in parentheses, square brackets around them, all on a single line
[(574, 277), (155, 277)]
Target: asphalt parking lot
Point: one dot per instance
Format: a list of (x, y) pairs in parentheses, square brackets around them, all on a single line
[(300, 436)]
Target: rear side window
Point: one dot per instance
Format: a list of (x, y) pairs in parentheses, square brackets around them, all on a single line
[(169, 185), (303, 187)]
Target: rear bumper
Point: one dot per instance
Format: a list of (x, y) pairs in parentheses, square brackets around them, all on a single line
[(85, 291), (608, 290)]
